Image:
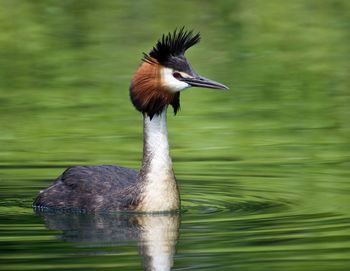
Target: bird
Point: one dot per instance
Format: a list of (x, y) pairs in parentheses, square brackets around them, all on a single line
[(157, 83)]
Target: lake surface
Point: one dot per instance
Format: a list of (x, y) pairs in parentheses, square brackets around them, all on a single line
[(263, 169)]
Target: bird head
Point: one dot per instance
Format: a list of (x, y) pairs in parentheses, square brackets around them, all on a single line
[(165, 72)]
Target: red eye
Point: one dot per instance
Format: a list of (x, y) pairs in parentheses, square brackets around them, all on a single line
[(177, 75)]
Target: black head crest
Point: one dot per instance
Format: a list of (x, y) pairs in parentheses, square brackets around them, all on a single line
[(171, 45)]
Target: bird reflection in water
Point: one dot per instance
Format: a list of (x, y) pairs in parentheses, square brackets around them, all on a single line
[(156, 234)]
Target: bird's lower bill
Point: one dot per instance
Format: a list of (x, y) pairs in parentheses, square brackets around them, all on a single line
[(199, 81)]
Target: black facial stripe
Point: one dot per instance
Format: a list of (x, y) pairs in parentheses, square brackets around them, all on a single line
[(179, 64)]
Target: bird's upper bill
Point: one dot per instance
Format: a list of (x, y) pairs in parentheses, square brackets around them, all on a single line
[(165, 72)]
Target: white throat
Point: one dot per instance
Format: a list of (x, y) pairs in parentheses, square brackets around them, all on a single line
[(159, 189)]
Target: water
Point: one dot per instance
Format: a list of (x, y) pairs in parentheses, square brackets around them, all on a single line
[(263, 169)]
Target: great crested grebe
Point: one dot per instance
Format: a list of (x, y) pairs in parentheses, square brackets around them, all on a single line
[(156, 84)]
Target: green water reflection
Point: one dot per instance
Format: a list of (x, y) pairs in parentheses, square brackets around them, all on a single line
[(263, 169)]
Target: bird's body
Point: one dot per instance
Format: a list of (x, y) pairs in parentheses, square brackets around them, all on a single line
[(90, 187), (156, 84)]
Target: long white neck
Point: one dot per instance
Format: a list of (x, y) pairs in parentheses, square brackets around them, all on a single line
[(158, 185)]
